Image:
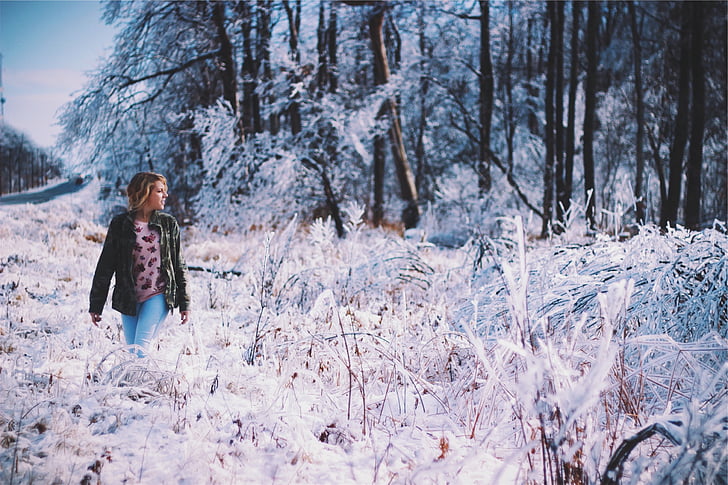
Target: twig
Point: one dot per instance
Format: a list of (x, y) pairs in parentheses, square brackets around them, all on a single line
[(14, 464), (144, 452), (219, 274), (348, 363), (256, 336), (615, 467)]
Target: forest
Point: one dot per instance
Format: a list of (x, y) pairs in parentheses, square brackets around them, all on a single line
[(609, 113), (23, 165), (455, 241)]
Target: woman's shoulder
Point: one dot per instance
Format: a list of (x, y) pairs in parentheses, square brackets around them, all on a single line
[(119, 219), (165, 219)]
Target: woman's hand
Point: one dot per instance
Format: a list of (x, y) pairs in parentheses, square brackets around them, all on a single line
[(95, 318), (184, 317)]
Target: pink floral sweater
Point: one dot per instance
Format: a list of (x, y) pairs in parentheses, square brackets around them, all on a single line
[(148, 280)]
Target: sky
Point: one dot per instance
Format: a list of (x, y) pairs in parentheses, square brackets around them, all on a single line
[(47, 47)]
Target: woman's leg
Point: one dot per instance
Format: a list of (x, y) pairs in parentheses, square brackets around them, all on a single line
[(150, 316), (129, 323)]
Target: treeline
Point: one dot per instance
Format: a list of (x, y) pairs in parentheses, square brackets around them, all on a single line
[(296, 106), (23, 165)]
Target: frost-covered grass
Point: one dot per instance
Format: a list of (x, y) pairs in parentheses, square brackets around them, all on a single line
[(370, 359)]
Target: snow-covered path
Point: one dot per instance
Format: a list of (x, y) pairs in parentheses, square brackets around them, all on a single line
[(45, 194)]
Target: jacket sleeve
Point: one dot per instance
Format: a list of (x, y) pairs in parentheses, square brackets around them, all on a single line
[(180, 270), (105, 269)]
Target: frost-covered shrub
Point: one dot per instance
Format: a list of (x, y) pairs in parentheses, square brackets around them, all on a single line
[(576, 337), (240, 179), (680, 282)]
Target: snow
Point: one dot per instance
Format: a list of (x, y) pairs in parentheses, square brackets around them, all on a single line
[(370, 359)]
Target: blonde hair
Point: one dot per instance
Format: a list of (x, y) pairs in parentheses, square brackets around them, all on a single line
[(140, 187)]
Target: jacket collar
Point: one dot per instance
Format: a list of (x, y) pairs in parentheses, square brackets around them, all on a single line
[(154, 218)]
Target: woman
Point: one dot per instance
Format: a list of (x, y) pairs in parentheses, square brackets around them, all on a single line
[(142, 249)]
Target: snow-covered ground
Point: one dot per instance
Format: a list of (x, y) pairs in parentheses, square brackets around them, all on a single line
[(370, 359)]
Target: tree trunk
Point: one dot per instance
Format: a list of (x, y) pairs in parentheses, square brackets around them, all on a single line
[(225, 57), (486, 99), (559, 112), (549, 131), (294, 25), (571, 113), (509, 118), (677, 150), (378, 168), (411, 213), (697, 118), (531, 80), (393, 41), (639, 195), (331, 39), (319, 165), (420, 155), (248, 69), (590, 102), (322, 74), (381, 66), (263, 55), (659, 165), (328, 138)]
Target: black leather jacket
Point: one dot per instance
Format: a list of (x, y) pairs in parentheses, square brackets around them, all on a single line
[(116, 259)]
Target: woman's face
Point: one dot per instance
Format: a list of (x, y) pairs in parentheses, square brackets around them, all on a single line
[(157, 197)]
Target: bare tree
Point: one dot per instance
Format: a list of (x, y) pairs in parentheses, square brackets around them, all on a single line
[(23, 165), (554, 129), (265, 72), (565, 200), (322, 73), (549, 130), (558, 100), (486, 99), (509, 108), (422, 171), (169, 59), (326, 77), (408, 190), (331, 39), (677, 149), (248, 72), (640, 115), (590, 102), (225, 56), (532, 70), (697, 119), (294, 26)]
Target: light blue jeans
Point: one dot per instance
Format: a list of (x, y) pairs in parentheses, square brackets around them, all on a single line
[(141, 329)]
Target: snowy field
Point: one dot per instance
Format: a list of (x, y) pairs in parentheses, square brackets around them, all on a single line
[(371, 359)]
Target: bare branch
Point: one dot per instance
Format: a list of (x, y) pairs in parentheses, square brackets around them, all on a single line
[(165, 72), (613, 473)]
